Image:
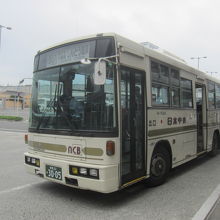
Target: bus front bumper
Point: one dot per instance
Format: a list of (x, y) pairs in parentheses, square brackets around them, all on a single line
[(106, 182)]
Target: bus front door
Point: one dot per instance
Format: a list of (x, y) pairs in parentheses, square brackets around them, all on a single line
[(133, 124)]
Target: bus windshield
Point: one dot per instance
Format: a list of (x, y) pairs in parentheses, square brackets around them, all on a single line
[(66, 98)]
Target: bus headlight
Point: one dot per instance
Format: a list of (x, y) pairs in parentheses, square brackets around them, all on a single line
[(93, 172), (84, 172), (32, 161)]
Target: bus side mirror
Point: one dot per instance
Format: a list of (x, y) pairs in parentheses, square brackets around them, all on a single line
[(99, 75)]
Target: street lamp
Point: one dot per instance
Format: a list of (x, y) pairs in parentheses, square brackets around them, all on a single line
[(1, 27), (211, 72), (20, 82), (198, 58)]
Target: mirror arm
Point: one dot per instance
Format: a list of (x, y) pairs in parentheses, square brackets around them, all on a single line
[(107, 59), (87, 60)]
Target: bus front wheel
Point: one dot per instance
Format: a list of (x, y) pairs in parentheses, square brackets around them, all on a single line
[(160, 166)]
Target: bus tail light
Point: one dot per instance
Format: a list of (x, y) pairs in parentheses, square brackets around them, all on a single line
[(26, 138), (110, 148)]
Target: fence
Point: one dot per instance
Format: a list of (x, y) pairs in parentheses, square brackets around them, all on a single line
[(14, 103)]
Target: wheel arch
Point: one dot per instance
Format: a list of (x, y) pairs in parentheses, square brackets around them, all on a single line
[(164, 144)]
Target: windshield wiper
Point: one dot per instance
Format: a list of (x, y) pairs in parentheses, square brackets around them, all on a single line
[(64, 113), (51, 104)]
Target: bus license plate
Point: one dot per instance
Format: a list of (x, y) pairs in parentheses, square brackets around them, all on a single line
[(54, 172)]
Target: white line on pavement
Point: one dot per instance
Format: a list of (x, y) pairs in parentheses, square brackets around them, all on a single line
[(13, 130), (208, 206), (17, 188)]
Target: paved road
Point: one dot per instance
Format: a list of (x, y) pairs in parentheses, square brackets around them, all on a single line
[(15, 112), (14, 125), (23, 196), (6, 125)]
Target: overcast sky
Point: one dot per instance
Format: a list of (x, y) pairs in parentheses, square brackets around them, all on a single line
[(187, 28)]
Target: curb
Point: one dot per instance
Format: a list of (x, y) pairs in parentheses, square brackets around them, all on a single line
[(208, 206)]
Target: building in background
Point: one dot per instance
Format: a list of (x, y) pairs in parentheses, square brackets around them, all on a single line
[(15, 96)]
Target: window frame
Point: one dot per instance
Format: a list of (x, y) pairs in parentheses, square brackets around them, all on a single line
[(214, 92), (159, 83), (171, 86), (182, 89), (153, 85), (216, 106)]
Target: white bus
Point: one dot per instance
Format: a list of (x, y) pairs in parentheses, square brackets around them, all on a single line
[(118, 113)]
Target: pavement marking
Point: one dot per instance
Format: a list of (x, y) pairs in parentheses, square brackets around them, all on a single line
[(17, 188), (208, 206), (13, 130)]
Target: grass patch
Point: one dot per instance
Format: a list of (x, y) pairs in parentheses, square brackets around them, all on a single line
[(11, 118)]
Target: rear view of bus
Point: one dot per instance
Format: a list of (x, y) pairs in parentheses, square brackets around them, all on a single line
[(73, 133)]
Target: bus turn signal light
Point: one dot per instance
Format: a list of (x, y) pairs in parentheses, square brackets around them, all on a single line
[(110, 148), (74, 170), (26, 138)]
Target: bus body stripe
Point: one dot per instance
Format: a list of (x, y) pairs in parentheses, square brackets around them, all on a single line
[(92, 151), (164, 131), (47, 146), (62, 148)]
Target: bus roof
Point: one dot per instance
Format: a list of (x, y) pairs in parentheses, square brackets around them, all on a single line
[(142, 50), (164, 57), (78, 39)]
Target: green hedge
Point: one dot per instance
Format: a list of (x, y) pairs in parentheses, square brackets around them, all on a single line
[(12, 118)]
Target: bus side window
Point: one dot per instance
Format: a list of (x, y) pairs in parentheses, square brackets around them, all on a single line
[(160, 95), (160, 84), (211, 95)]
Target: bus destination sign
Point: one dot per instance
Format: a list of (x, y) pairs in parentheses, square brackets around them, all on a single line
[(66, 54)]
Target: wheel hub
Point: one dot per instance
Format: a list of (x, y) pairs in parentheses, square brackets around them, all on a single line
[(158, 167)]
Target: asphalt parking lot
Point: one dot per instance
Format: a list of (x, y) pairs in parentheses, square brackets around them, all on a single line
[(23, 196), (20, 126)]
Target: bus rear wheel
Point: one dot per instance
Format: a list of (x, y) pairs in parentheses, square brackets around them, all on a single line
[(160, 166)]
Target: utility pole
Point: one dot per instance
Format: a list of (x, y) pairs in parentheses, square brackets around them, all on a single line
[(198, 58)]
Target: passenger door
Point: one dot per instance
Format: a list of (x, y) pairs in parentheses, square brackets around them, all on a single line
[(133, 124), (200, 111)]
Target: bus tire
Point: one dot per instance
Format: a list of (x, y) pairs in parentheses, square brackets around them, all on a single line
[(215, 143), (160, 166)]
